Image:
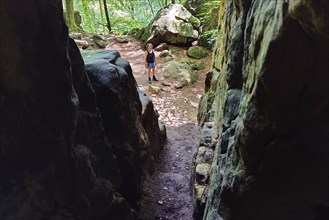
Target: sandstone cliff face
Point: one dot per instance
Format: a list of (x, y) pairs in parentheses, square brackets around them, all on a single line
[(134, 134), (267, 100), (56, 159)]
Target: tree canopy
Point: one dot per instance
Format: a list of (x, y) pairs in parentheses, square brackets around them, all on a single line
[(123, 15)]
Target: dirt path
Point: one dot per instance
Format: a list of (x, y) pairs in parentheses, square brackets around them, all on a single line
[(167, 193)]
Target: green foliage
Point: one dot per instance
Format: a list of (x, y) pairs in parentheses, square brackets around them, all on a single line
[(206, 10), (93, 19), (125, 15), (208, 39)]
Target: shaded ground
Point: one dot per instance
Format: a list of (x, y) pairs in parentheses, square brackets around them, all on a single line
[(167, 193)]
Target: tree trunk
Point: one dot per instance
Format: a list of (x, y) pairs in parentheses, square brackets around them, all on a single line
[(101, 9), (109, 27), (70, 21), (173, 1)]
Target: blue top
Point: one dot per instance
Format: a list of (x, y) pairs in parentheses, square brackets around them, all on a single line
[(150, 57)]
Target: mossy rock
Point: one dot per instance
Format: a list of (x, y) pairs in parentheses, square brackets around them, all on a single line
[(194, 76), (199, 66), (168, 58), (208, 39), (195, 65), (195, 22), (165, 53), (181, 29), (185, 29), (181, 72), (197, 52)]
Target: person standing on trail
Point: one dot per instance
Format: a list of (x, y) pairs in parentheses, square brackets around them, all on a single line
[(150, 62)]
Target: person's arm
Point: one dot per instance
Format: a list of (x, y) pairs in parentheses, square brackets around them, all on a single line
[(145, 61), (154, 58)]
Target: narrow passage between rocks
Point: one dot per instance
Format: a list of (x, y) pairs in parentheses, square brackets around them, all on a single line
[(167, 194)]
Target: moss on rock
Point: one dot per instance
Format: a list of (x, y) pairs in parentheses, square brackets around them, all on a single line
[(197, 52), (195, 65), (181, 72), (195, 22), (208, 38)]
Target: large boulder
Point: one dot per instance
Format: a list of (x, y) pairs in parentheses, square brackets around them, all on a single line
[(180, 71), (122, 111), (197, 52), (97, 167), (100, 40), (174, 24), (268, 96)]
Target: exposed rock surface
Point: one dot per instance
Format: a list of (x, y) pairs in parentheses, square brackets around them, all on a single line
[(197, 52), (96, 166), (100, 41), (56, 158), (162, 47), (173, 24), (268, 96), (179, 71), (121, 109)]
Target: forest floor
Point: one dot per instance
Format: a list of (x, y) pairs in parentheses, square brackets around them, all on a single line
[(167, 193)]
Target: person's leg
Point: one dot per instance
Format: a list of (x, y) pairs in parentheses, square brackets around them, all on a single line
[(153, 73), (149, 73)]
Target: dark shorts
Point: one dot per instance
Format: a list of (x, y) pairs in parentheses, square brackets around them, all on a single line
[(150, 65)]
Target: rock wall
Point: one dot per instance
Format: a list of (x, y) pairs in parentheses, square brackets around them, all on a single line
[(56, 159), (134, 133), (264, 114)]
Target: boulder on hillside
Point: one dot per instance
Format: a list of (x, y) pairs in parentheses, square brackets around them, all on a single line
[(165, 53), (174, 24), (122, 39), (100, 41), (162, 47), (195, 65), (197, 52), (76, 35), (181, 72), (83, 44)]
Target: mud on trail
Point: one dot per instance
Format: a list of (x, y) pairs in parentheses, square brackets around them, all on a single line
[(167, 194)]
